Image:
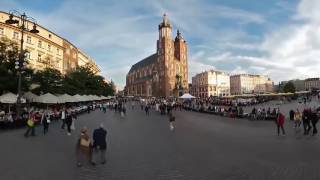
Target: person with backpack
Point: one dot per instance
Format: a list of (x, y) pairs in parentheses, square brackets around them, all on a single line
[(84, 148), (280, 123)]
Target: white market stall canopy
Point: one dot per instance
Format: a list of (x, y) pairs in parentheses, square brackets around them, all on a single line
[(48, 99), (66, 98), (187, 96), (8, 98), (30, 96)]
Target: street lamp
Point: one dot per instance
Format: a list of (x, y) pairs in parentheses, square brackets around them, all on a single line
[(20, 63)]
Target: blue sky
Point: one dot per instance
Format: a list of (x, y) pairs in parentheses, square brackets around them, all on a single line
[(279, 38)]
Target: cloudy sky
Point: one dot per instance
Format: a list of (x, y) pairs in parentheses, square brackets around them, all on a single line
[(279, 38)]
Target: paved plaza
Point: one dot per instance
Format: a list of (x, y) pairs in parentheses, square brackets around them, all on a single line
[(203, 146)]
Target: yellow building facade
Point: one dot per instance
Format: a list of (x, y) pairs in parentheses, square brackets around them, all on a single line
[(210, 83), (46, 49), (250, 84)]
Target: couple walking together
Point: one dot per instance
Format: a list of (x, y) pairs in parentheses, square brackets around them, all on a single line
[(92, 152)]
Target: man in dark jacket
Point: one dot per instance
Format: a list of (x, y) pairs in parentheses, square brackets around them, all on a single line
[(314, 121), (99, 144)]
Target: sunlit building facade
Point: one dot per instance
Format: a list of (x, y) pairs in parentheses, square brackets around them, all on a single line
[(210, 83), (250, 84), (45, 49)]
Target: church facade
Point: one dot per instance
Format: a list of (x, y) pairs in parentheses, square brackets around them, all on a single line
[(164, 73)]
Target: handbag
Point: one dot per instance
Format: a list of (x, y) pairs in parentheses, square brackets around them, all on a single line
[(30, 123), (84, 142)]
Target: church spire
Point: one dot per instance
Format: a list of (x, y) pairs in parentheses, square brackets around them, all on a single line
[(165, 22), (179, 36)]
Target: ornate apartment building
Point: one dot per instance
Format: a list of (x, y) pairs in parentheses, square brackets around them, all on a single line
[(46, 49), (250, 84), (210, 83), (164, 73)]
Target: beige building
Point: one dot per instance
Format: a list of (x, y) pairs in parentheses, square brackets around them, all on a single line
[(250, 84), (210, 83), (312, 84), (164, 73), (44, 49)]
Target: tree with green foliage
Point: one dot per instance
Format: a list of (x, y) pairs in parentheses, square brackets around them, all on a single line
[(289, 87), (9, 54), (49, 80), (83, 81)]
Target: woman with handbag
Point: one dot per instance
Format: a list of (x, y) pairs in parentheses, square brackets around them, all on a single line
[(31, 125), (84, 148)]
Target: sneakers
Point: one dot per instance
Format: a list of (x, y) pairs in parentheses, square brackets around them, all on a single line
[(69, 134)]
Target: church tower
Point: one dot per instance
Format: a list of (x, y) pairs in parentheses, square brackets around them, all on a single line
[(165, 46), (180, 54)]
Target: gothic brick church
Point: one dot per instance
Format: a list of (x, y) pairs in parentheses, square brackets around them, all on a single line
[(164, 73)]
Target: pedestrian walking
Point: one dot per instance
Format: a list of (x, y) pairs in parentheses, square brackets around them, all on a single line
[(280, 123), (73, 117), (147, 110), (69, 121), (314, 121), (84, 148), (172, 119), (30, 125), (297, 119), (99, 145), (45, 121), (63, 118), (291, 115), (306, 116)]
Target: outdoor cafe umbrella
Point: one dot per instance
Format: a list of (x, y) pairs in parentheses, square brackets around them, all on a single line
[(8, 98)]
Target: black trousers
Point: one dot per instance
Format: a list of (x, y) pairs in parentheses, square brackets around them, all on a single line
[(45, 129), (28, 131), (314, 126), (69, 127), (280, 126)]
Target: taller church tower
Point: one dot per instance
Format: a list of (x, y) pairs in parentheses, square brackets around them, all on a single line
[(171, 61)]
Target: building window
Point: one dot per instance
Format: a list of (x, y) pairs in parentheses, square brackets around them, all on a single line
[(58, 51), (1, 31), (50, 36), (49, 47), (39, 44), (29, 39), (27, 55), (39, 58), (15, 35)]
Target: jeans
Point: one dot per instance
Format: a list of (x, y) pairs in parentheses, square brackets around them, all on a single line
[(63, 123)]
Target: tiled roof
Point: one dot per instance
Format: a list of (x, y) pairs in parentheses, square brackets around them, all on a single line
[(146, 61)]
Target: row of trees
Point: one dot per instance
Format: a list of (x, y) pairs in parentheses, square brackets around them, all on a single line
[(78, 81)]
